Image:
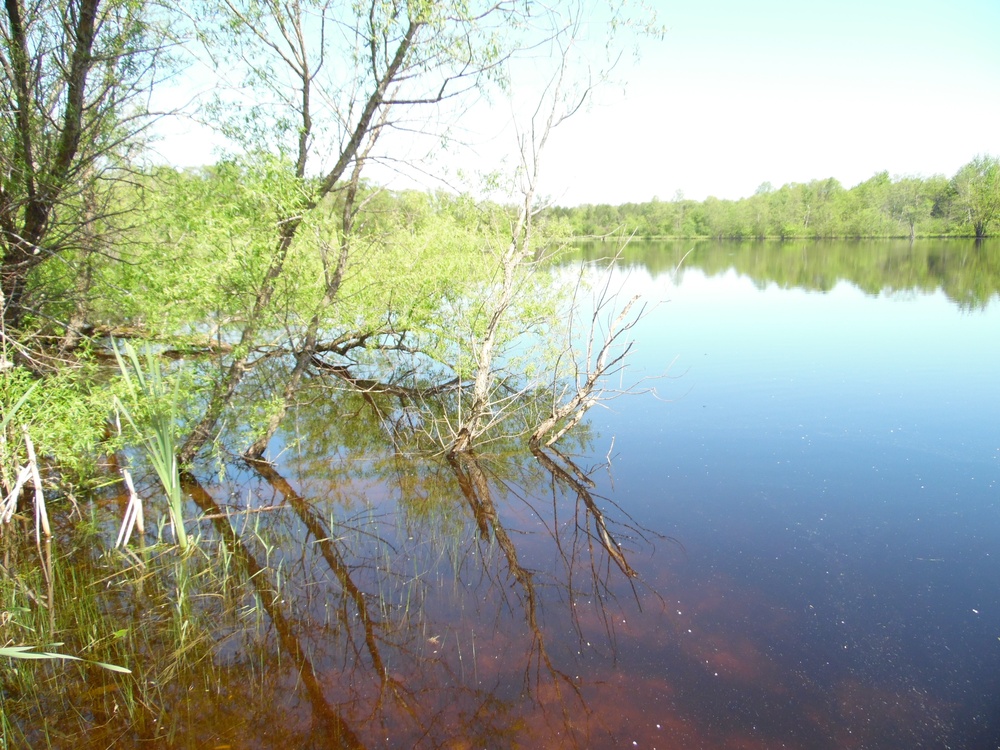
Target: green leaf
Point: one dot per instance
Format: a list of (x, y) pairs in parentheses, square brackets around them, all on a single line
[(26, 652)]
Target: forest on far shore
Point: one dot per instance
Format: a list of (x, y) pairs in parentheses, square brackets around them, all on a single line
[(965, 205)]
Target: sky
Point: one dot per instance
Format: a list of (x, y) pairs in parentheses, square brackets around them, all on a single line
[(740, 93)]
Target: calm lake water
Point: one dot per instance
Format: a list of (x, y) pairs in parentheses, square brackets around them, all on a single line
[(830, 460), (794, 542)]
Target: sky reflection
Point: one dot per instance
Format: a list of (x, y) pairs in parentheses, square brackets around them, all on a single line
[(831, 464)]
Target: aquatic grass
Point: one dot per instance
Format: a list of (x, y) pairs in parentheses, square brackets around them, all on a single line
[(9, 413), (133, 513), (41, 514), (29, 471), (28, 652), (162, 615), (9, 503), (147, 388), (38, 693)]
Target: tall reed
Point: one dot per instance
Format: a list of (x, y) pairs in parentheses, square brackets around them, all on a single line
[(156, 405)]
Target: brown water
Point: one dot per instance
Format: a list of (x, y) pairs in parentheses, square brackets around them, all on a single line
[(794, 542)]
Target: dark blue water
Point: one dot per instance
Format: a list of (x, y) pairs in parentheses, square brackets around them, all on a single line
[(830, 463)]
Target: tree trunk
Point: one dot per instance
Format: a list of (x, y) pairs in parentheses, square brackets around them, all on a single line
[(226, 387), (11, 290), (308, 349), (39, 176)]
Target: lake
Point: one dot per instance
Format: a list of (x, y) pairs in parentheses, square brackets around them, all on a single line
[(787, 536), (830, 459)]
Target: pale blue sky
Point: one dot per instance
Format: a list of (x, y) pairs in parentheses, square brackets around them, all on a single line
[(739, 93), (787, 91)]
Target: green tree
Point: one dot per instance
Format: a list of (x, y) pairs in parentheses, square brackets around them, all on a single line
[(332, 76), (72, 102), (909, 202), (977, 186), (759, 205), (831, 199)]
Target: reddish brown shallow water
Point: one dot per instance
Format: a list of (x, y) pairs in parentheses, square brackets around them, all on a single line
[(490, 613), (811, 521), (799, 550)]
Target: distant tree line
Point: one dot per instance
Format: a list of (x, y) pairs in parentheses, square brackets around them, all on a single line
[(966, 205)]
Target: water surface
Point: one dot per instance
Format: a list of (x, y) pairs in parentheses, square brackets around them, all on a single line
[(830, 460), (793, 541)]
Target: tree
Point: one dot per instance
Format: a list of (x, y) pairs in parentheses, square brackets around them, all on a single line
[(909, 201), (71, 104), (576, 376), (391, 58), (337, 81), (977, 186)]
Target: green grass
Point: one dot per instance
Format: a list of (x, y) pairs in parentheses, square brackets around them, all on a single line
[(153, 398)]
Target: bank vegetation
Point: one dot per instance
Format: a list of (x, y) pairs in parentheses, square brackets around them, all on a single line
[(966, 204)]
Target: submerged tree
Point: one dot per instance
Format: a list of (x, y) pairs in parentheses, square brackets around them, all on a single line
[(360, 63), (374, 70), (507, 312)]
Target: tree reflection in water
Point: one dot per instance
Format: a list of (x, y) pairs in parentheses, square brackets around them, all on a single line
[(439, 602)]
